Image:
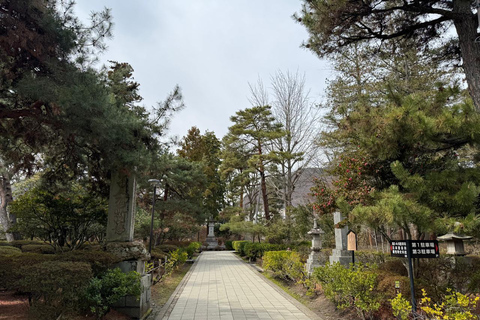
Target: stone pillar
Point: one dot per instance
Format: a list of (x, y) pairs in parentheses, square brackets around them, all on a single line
[(315, 258), (211, 227), (212, 242), (340, 253), (120, 225), (121, 208)]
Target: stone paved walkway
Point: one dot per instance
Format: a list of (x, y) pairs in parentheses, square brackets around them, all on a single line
[(222, 287)]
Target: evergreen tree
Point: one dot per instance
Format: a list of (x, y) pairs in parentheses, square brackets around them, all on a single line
[(403, 146), (253, 133), (205, 149), (334, 24)]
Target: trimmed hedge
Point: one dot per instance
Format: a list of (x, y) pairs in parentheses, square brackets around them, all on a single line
[(256, 250), (38, 248), (239, 246), (7, 250)]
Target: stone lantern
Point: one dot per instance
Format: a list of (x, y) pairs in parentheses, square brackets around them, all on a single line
[(455, 243), (315, 255)]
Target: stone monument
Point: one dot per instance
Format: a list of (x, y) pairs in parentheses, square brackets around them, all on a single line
[(212, 242), (120, 223), (340, 253), (315, 258)]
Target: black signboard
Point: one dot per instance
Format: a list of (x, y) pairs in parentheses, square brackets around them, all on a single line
[(418, 248), (414, 249)]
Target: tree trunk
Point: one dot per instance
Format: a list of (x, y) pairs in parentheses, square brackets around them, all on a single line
[(264, 195), (467, 33), (5, 199)]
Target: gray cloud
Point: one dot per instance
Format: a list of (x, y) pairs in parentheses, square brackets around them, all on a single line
[(211, 48)]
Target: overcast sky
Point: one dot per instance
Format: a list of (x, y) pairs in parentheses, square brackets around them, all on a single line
[(212, 49)]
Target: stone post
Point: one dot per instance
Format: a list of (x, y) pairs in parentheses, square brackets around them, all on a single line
[(120, 224), (315, 258), (212, 242), (340, 253)]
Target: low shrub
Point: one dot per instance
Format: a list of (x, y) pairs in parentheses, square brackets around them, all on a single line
[(386, 284), (99, 261), (238, 246), (452, 305), (284, 264), (256, 250), (11, 267), (175, 260), (158, 254), (229, 245), (192, 248), (167, 247), (350, 287), (8, 250), (107, 289), (38, 248), (20, 243), (54, 286)]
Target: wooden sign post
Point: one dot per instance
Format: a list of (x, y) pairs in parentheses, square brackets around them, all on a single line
[(352, 243)]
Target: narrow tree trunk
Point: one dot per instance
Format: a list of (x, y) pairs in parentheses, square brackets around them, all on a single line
[(264, 195), (467, 33), (5, 199)]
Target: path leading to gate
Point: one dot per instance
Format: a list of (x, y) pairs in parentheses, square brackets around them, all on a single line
[(220, 286)]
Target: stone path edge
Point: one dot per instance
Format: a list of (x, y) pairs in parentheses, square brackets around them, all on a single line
[(294, 301), (170, 304)]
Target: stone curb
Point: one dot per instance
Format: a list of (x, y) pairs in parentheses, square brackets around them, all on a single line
[(170, 304), (312, 315)]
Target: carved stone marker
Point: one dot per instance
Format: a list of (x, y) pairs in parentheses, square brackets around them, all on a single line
[(120, 224), (315, 258), (212, 242), (340, 253), (121, 208)]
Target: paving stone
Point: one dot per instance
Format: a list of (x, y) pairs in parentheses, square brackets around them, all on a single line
[(221, 287)]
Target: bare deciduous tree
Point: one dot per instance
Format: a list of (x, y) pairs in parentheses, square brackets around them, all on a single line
[(300, 118)]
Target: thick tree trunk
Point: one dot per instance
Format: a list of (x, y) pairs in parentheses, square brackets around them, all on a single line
[(467, 33), (5, 199)]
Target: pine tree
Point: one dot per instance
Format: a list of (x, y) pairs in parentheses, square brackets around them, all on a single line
[(253, 132)]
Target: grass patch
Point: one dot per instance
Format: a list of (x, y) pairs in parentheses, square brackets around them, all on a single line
[(162, 291), (285, 287)]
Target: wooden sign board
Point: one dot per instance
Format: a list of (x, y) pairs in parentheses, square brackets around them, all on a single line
[(351, 241)]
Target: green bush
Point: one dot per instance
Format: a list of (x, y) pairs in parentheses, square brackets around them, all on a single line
[(54, 286), (350, 287), (20, 243), (99, 261), (239, 246), (167, 247), (192, 248), (104, 291), (11, 267), (176, 259), (158, 254), (229, 245), (284, 264), (38, 248), (7, 250), (256, 250)]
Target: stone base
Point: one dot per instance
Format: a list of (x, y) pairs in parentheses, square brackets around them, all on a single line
[(133, 307), (315, 259), (212, 243), (342, 256)]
